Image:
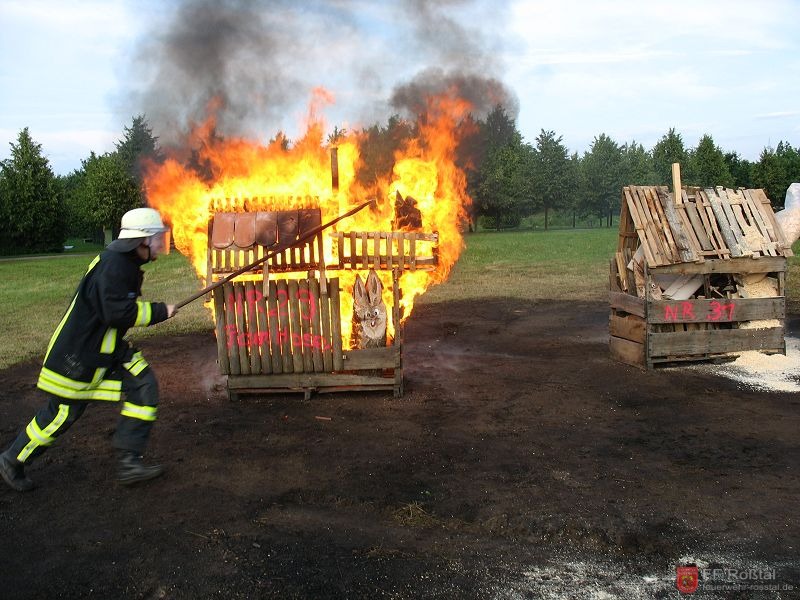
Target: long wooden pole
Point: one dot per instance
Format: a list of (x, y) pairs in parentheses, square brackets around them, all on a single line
[(305, 237)]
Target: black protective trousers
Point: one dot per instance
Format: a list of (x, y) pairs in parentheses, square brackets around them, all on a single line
[(137, 415)]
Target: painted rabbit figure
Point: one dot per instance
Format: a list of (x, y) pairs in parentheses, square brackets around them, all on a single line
[(369, 313)]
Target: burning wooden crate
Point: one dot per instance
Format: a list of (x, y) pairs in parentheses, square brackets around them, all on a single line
[(279, 326), (697, 275)]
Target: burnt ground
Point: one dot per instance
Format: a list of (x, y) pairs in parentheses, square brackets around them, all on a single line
[(521, 463)]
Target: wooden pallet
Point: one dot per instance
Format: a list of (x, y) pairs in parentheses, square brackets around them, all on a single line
[(710, 223), (290, 339), (403, 250)]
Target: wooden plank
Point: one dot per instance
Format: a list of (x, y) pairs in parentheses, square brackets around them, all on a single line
[(715, 341), (412, 253), (375, 236), (340, 248), (663, 225), (298, 381), (722, 222), (230, 323), (626, 351), (401, 250), (353, 251), (679, 235), (639, 224), (741, 265), (253, 338), (369, 358), (697, 227), (298, 365), (710, 221), (716, 311), (630, 304), (336, 325), (325, 312), (364, 250), (629, 327), (317, 339), (733, 223), (218, 296), (397, 342), (659, 252), (304, 310), (285, 330), (753, 212), (619, 273), (263, 327), (241, 323), (389, 250), (676, 183), (274, 328)]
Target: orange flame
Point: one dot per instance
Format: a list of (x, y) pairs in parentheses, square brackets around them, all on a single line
[(184, 188)]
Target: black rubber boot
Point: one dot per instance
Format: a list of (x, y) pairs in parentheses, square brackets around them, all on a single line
[(131, 470), (13, 473)]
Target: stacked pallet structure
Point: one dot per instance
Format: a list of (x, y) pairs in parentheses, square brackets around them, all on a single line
[(698, 274), (278, 326)]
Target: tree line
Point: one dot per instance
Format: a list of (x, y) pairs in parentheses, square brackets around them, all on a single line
[(508, 178)]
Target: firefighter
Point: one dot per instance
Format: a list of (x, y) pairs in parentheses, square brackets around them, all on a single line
[(88, 360)]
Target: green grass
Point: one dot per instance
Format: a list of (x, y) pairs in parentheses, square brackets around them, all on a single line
[(35, 292), (531, 264), (558, 264)]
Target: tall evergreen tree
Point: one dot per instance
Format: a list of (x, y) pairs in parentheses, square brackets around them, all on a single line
[(637, 165), (552, 174), (137, 145), (669, 149), (741, 170), (32, 215), (603, 178), (707, 165)]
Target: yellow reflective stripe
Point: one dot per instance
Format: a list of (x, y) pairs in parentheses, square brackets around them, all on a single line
[(137, 364), (109, 341), (108, 389), (60, 380), (66, 314), (144, 313), (144, 413), (88, 394), (44, 437)]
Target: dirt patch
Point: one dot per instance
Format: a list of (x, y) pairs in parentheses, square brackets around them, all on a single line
[(522, 462)]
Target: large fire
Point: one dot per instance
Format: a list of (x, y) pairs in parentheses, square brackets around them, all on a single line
[(234, 170)]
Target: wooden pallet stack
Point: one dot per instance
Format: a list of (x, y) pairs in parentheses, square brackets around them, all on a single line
[(697, 274)]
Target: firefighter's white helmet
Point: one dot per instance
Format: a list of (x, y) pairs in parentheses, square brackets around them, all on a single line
[(141, 223)]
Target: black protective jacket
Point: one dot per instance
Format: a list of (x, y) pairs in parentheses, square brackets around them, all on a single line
[(87, 350)]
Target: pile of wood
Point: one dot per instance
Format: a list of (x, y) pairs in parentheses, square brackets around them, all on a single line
[(691, 270)]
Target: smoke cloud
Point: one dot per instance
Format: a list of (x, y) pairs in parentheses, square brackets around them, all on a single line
[(259, 62)]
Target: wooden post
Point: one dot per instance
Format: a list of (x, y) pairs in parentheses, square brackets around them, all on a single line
[(241, 321), (327, 345), (676, 183), (336, 325), (317, 339), (252, 327), (296, 335), (398, 335), (284, 331), (230, 324), (304, 300), (263, 328), (222, 335), (274, 327), (335, 169)]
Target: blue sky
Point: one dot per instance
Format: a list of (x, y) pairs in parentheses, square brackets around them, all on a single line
[(76, 72)]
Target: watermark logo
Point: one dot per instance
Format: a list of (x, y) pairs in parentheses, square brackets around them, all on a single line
[(687, 578)]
